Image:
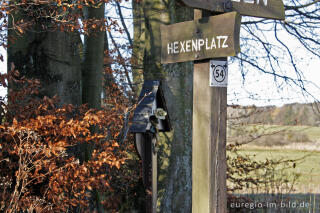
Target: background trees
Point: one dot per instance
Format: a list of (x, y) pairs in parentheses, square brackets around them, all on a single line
[(265, 49), (39, 49), (44, 42), (57, 155), (177, 81)]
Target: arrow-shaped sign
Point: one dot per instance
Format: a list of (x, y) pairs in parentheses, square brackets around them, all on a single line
[(273, 9)]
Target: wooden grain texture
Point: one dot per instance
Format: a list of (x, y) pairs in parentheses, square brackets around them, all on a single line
[(208, 144), (218, 196), (219, 35), (211, 5), (200, 139), (273, 9)]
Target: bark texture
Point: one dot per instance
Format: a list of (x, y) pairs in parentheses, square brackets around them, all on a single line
[(92, 75), (175, 171), (51, 57), (138, 45), (92, 64)]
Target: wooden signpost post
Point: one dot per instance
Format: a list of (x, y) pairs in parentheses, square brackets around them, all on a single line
[(208, 41), (209, 194)]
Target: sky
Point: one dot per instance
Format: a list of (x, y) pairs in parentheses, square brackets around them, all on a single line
[(257, 88), (264, 88), (266, 91), (261, 89)]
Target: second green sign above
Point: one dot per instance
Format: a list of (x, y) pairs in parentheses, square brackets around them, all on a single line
[(212, 37)]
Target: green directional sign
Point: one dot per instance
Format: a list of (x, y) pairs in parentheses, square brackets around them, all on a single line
[(273, 9), (210, 37)]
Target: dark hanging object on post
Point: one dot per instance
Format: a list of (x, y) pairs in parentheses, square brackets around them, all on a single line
[(150, 99), (150, 117)]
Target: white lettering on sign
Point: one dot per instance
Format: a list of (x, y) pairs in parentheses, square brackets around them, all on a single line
[(170, 47), (182, 46), (200, 43), (188, 44), (265, 2), (176, 47), (196, 45)]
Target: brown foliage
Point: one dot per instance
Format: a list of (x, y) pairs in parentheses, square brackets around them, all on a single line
[(37, 169), (51, 15)]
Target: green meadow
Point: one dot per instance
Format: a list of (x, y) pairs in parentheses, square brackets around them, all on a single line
[(301, 143), (308, 167)]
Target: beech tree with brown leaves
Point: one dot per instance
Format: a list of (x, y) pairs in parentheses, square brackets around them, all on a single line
[(56, 154)]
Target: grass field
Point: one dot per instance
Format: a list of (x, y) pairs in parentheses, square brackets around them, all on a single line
[(275, 142), (285, 142), (306, 189), (312, 132), (309, 167)]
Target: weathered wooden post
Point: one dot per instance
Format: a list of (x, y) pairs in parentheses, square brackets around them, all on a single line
[(215, 37), (209, 167), (206, 37), (150, 117)]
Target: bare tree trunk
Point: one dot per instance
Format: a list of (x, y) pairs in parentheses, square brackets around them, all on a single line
[(92, 75), (51, 57), (138, 45), (92, 64), (92, 67)]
